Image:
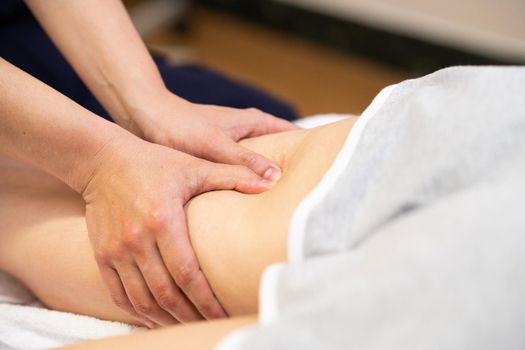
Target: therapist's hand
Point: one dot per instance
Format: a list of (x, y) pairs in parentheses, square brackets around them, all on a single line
[(137, 226), (207, 131)]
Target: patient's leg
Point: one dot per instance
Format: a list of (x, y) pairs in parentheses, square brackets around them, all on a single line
[(202, 335), (44, 243), (44, 240)]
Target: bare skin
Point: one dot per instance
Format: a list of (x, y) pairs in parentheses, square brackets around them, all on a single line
[(194, 336), (234, 235), (130, 242), (106, 164)]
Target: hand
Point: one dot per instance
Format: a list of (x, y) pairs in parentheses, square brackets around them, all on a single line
[(207, 131), (136, 223)]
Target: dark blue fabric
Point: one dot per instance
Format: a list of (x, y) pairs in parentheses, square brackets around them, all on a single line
[(9, 9), (25, 44)]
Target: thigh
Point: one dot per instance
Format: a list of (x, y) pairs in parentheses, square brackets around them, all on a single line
[(44, 242), (202, 335)]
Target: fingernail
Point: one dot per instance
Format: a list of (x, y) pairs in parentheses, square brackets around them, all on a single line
[(272, 174)]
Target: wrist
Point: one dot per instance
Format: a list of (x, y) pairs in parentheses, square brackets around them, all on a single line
[(132, 103), (146, 115), (108, 144)]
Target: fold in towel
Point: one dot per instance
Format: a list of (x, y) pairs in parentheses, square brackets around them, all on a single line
[(30, 327), (26, 324), (414, 238)]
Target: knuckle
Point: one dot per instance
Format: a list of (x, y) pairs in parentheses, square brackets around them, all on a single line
[(120, 301), (117, 255), (196, 179), (170, 139), (256, 112), (186, 274), (156, 220), (144, 307), (209, 310), (109, 254), (168, 300), (253, 110), (133, 241), (249, 157), (102, 257)]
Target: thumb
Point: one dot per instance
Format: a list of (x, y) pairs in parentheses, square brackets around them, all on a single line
[(217, 176), (267, 124), (230, 152)]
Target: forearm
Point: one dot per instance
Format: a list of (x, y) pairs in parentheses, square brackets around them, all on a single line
[(99, 40), (41, 126)]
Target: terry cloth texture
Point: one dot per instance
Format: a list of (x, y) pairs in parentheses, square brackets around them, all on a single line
[(415, 238)]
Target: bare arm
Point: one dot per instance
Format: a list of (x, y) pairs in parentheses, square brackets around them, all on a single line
[(150, 183), (43, 127), (99, 40), (141, 245)]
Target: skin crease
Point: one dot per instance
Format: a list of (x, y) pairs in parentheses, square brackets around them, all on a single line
[(92, 151), (42, 216), (234, 235), (141, 245), (304, 155), (311, 153)]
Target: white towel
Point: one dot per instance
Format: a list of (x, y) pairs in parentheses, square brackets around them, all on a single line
[(27, 324), (414, 238)]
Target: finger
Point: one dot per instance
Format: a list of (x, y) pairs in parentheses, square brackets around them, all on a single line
[(267, 124), (177, 252), (118, 294), (168, 296), (256, 122), (226, 150), (139, 295), (215, 176)]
